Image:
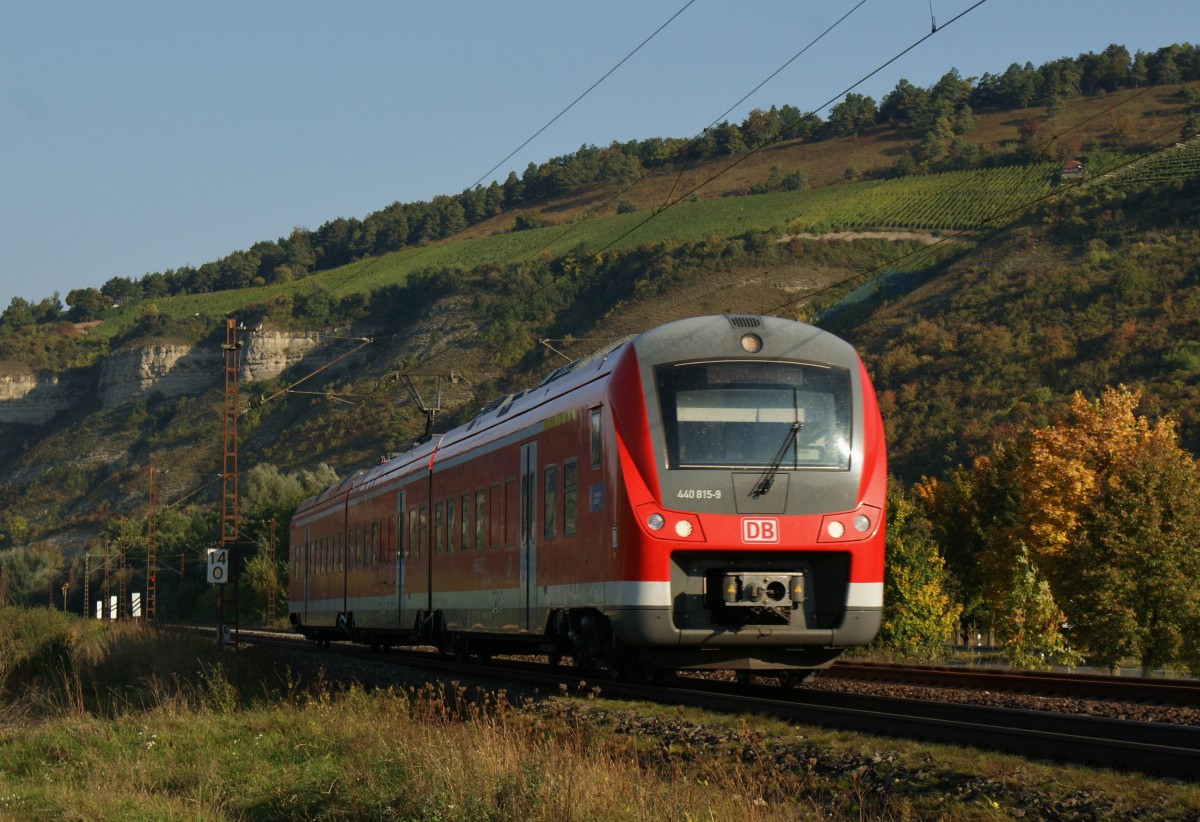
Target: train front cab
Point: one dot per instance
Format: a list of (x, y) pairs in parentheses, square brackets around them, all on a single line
[(755, 481)]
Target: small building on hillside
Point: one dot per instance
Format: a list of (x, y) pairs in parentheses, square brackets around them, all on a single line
[(1072, 170)]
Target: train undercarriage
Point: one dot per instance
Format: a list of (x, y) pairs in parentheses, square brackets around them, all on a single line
[(586, 638)]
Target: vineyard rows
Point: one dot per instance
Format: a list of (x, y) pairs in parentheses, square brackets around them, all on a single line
[(1176, 163), (950, 201)]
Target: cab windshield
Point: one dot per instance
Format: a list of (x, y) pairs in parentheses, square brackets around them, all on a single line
[(741, 414)]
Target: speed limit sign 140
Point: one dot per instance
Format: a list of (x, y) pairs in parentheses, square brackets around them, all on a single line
[(218, 565)]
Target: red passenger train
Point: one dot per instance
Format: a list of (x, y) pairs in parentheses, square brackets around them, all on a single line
[(707, 494)]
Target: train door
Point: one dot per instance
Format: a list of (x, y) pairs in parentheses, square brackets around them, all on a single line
[(399, 545), (528, 537)]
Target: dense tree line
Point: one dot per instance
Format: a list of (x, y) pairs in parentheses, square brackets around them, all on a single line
[(31, 573), (943, 112)]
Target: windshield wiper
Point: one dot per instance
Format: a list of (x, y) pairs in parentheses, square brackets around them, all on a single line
[(764, 482)]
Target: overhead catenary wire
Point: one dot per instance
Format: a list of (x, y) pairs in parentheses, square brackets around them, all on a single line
[(352, 275), (589, 90), (766, 80)]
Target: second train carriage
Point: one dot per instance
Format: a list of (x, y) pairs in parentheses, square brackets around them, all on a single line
[(707, 494)]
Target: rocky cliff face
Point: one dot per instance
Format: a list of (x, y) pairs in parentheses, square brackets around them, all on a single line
[(171, 370), (132, 374), (35, 398), (268, 354)]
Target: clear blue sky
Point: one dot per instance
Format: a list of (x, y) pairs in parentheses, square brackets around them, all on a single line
[(141, 136)]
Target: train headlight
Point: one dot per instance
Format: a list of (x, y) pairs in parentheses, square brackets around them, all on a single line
[(852, 526), (751, 343), (683, 528), (655, 522)]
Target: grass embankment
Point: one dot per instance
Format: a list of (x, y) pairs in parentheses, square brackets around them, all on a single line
[(127, 723)]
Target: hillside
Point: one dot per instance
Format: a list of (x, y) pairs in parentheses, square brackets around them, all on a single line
[(1011, 296)]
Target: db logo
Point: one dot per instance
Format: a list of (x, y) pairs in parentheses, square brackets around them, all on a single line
[(760, 530)]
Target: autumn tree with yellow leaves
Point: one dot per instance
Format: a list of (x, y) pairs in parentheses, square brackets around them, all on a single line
[(1112, 514), (1105, 507), (919, 614)]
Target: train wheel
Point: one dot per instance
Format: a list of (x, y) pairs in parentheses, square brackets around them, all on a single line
[(636, 669), (743, 677), (790, 679)]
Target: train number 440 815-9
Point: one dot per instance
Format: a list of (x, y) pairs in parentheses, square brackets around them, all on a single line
[(699, 493)]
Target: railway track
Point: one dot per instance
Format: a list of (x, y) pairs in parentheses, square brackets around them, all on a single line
[(1183, 692), (1147, 747)]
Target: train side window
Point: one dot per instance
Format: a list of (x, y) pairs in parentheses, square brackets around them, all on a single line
[(465, 533), (401, 544), (550, 502), (511, 512), (597, 438), (414, 541), (438, 533), (352, 553), (451, 525), (373, 560), (570, 498), (480, 519), (495, 516)]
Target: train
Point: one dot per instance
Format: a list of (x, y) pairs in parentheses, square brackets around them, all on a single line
[(705, 495)]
